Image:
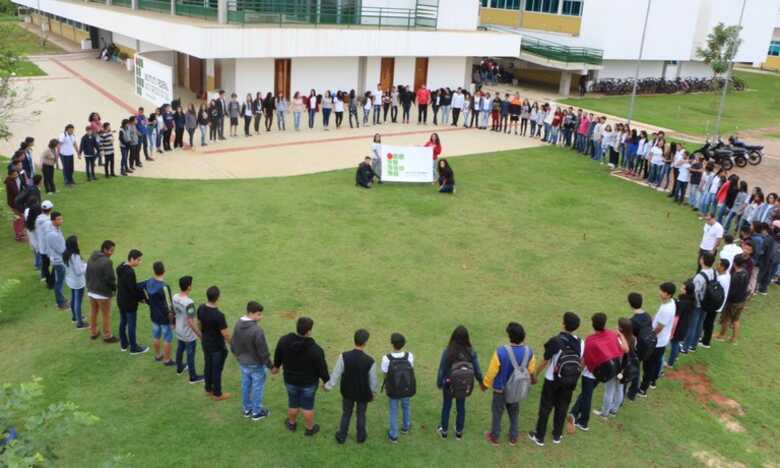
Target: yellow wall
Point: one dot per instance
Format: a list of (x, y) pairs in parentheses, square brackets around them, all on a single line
[(55, 27), (551, 22), (130, 52), (79, 35), (67, 31), (499, 16), (772, 62)]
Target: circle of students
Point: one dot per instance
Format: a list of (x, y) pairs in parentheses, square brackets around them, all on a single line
[(628, 361)]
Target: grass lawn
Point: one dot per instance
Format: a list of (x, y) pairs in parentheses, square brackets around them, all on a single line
[(695, 114), (23, 43), (529, 235)]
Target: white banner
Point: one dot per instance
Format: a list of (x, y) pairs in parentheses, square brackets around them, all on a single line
[(153, 80), (407, 163)]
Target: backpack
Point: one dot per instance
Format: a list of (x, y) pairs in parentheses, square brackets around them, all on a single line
[(461, 379), (646, 340), (713, 294), (519, 382), (630, 370), (569, 364), (608, 370), (399, 381)]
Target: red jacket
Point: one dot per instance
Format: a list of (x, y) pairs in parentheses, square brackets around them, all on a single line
[(423, 96), (436, 149), (11, 191), (601, 347), (723, 192)]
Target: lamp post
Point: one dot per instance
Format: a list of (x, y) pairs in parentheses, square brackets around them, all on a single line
[(638, 64), (722, 105)]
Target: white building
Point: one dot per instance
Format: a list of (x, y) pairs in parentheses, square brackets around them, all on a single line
[(287, 45), (773, 56), (613, 28)]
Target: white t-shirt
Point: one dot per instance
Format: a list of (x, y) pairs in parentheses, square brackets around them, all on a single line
[(665, 317), (338, 105), (656, 156), (67, 144), (711, 235), (725, 282), (685, 172), (715, 185), (729, 251), (399, 354), (312, 102), (549, 373)]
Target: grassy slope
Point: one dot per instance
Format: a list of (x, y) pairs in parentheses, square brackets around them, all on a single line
[(696, 113), (23, 43), (529, 235)]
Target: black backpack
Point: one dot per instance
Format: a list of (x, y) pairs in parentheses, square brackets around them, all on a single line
[(608, 370), (399, 381), (568, 367), (714, 295), (646, 340), (630, 369), (461, 378)]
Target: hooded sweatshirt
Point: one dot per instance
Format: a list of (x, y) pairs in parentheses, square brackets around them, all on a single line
[(302, 359), (100, 275), (249, 344)]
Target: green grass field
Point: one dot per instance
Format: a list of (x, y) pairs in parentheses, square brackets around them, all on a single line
[(529, 235), (695, 114), (23, 43)]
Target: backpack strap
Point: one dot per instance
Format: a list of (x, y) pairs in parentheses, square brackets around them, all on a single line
[(512, 357), (526, 352)]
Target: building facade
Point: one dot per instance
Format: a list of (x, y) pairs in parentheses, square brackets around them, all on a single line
[(773, 55)]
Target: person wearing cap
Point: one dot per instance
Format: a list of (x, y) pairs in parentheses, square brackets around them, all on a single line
[(54, 247), (42, 226)]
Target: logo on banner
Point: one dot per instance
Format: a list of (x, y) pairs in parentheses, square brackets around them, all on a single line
[(394, 166)]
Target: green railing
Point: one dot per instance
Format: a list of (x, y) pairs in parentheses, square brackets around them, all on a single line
[(346, 13), (122, 3), (163, 6), (561, 53), (197, 10)]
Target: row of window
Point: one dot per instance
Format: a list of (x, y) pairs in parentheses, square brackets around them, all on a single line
[(774, 48), (75, 24), (566, 7)]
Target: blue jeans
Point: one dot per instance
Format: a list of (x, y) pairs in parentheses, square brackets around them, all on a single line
[(693, 194), (694, 329), (76, 297), (655, 174), (280, 120), (162, 331), (301, 397), (614, 391), (252, 387), (729, 219), (596, 156), (446, 407), (59, 282), (674, 351), (127, 322), (312, 113), (407, 416), (67, 168), (581, 408), (722, 210), (190, 347), (37, 260), (706, 201), (297, 120)]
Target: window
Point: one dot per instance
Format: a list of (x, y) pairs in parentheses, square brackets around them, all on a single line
[(572, 7), (505, 4), (774, 48), (543, 6)]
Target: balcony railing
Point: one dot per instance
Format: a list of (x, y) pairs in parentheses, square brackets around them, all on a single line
[(122, 3), (163, 6), (561, 53), (206, 10)]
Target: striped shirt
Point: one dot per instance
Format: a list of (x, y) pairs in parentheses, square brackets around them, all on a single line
[(106, 143)]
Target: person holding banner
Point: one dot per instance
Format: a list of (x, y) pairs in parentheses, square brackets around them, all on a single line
[(434, 142), (446, 177), (376, 156)]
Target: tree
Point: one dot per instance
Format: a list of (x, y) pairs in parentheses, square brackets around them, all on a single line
[(28, 436), (722, 45), (15, 96)]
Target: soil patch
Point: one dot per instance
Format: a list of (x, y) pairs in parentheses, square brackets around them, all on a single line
[(290, 315), (694, 380), (713, 460)]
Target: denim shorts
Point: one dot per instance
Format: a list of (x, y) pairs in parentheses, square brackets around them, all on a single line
[(301, 397), (162, 330)]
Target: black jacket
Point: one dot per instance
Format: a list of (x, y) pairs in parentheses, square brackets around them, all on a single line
[(301, 359), (364, 175), (129, 293), (100, 275)]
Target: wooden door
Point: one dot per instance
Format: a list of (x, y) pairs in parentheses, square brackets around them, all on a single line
[(217, 74), (386, 73), (181, 69), (196, 76), (420, 72), (282, 77)]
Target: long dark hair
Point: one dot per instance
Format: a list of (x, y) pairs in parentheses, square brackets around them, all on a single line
[(459, 346), (688, 294), (627, 330), (32, 214), (71, 247)]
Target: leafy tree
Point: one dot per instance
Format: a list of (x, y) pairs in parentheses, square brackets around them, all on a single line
[(29, 437), (15, 96), (722, 45)]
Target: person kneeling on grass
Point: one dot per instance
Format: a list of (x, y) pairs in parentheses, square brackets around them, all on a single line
[(187, 332), (157, 292), (357, 372), (251, 351), (365, 174), (400, 384), (446, 177)]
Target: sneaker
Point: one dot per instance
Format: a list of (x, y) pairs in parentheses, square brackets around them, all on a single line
[(392, 440), (512, 441), (705, 346), (122, 349), (139, 350), (458, 436), (264, 413), (652, 386), (247, 413), (600, 414), (442, 433), (406, 430), (314, 429), (81, 326), (197, 379), (339, 440), (181, 371), (111, 339), (532, 436), (94, 337), (170, 363), (579, 426), (557, 440), (222, 397), (492, 440), (293, 426), (642, 394), (158, 358)]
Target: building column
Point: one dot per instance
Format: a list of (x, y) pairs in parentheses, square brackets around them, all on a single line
[(134, 4), (564, 87), (173, 7), (211, 84), (222, 10)]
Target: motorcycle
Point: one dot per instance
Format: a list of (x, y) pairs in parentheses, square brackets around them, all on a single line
[(717, 153), (755, 152)]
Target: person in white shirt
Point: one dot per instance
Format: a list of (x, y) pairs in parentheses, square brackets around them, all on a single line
[(487, 107), (656, 162), (68, 148), (683, 177), (457, 104), (662, 326), (724, 279), (713, 234), (730, 249), (398, 342), (367, 106), (75, 279)]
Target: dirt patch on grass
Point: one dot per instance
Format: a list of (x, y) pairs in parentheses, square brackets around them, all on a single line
[(713, 460), (290, 315), (694, 379)]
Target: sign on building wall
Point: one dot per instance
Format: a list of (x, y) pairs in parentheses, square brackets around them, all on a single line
[(153, 80), (407, 163)]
